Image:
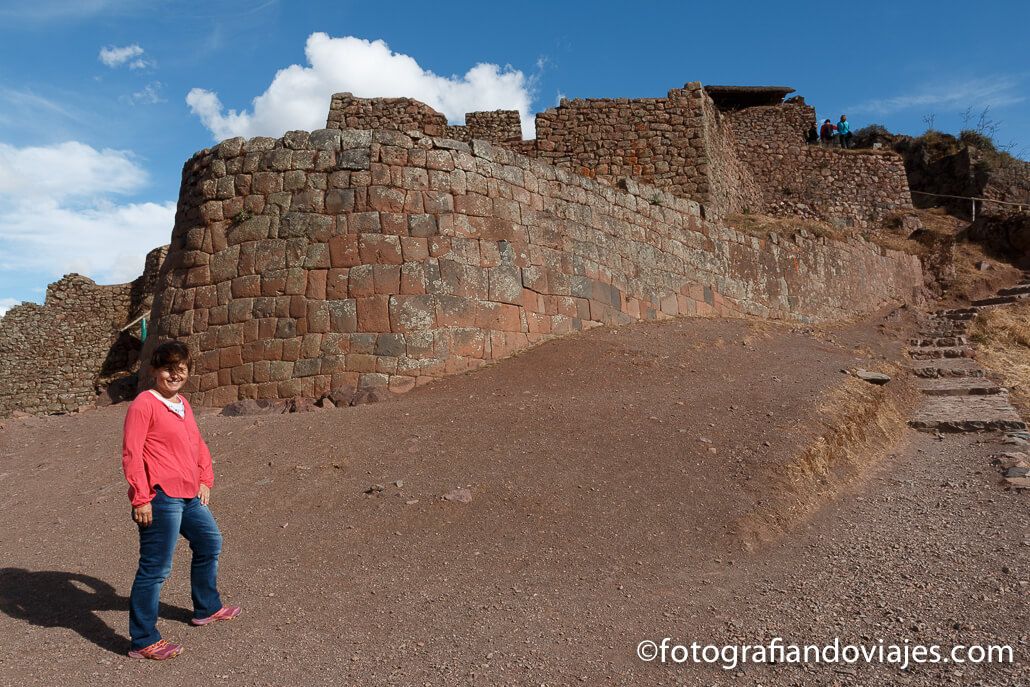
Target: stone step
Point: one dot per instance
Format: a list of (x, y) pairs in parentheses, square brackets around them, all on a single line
[(940, 334), (939, 341), (940, 352), (950, 319), (958, 386), (1015, 290), (967, 414), (1000, 300), (946, 368), (945, 328)]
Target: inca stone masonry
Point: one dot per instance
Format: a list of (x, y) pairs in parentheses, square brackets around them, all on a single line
[(391, 248)]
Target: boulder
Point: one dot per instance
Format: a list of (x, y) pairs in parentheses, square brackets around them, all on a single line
[(301, 404), (872, 377), (341, 396)]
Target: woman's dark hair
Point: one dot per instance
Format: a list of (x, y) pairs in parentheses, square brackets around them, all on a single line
[(170, 354)]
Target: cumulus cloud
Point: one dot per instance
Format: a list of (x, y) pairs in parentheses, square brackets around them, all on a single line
[(105, 241), (114, 56), (6, 304), (57, 214), (65, 170), (298, 97)]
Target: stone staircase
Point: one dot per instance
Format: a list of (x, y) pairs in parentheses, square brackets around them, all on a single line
[(958, 397)]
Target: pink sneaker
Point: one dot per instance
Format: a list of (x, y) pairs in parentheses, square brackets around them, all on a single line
[(158, 651), (224, 613)]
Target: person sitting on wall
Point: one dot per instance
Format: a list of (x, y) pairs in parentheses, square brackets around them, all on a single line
[(813, 135), (168, 467), (844, 132), (826, 133)]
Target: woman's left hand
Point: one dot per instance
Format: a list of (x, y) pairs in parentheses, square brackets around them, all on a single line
[(204, 494)]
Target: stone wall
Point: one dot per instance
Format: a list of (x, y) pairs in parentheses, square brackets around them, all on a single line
[(854, 187), (55, 357), (405, 114), (659, 141), (376, 258), (499, 126), (731, 184), (401, 114), (752, 159)]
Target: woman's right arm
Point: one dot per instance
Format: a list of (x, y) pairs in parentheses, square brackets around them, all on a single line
[(137, 424)]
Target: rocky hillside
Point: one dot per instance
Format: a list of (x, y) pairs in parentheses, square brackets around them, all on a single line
[(972, 166), (968, 165)]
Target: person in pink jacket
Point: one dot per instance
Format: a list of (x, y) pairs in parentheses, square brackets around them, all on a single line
[(168, 467)]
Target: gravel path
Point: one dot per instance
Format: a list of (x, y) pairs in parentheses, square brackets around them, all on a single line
[(605, 471)]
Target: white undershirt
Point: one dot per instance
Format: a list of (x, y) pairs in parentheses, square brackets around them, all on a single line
[(177, 408)]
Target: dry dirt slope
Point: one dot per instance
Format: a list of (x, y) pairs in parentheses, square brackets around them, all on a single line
[(600, 516)]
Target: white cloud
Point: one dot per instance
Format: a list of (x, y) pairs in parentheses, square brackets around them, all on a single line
[(298, 97), (66, 170), (114, 56), (6, 304), (106, 242), (148, 95), (57, 216), (994, 92)]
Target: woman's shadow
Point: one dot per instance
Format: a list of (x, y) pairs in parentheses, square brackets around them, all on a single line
[(51, 598)]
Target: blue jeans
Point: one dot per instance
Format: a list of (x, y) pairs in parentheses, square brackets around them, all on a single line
[(173, 517)]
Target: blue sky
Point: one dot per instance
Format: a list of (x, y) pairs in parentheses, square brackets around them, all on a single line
[(101, 101)]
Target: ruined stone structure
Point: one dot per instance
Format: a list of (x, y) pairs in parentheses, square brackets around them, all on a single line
[(678, 143), (732, 149), (405, 114), (393, 248), (858, 187), (57, 356), (386, 258)]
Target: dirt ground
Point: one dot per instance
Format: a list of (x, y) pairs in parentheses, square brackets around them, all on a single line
[(608, 472)]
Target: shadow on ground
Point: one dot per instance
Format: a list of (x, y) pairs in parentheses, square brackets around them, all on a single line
[(51, 598)]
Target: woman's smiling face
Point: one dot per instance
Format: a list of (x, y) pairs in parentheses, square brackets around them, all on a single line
[(169, 380)]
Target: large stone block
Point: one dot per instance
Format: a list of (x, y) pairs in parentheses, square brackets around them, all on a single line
[(379, 249), (373, 314), (412, 313), (308, 225), (505, 284), (343, 315), (250, 229)]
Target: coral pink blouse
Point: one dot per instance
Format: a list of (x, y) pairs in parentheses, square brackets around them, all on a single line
[(159, 448)]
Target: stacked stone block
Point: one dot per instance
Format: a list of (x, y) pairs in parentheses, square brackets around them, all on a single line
[(379, 258), (499, 126), (731, 184), (655, 140), (679, 143), (55, 357), (858, 188), (405, 114), (402, 114), (51, 354)]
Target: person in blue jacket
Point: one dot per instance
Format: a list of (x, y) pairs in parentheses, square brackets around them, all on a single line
[(844, 132)]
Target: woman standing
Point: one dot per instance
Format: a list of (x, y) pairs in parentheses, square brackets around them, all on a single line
[(168, 467)]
